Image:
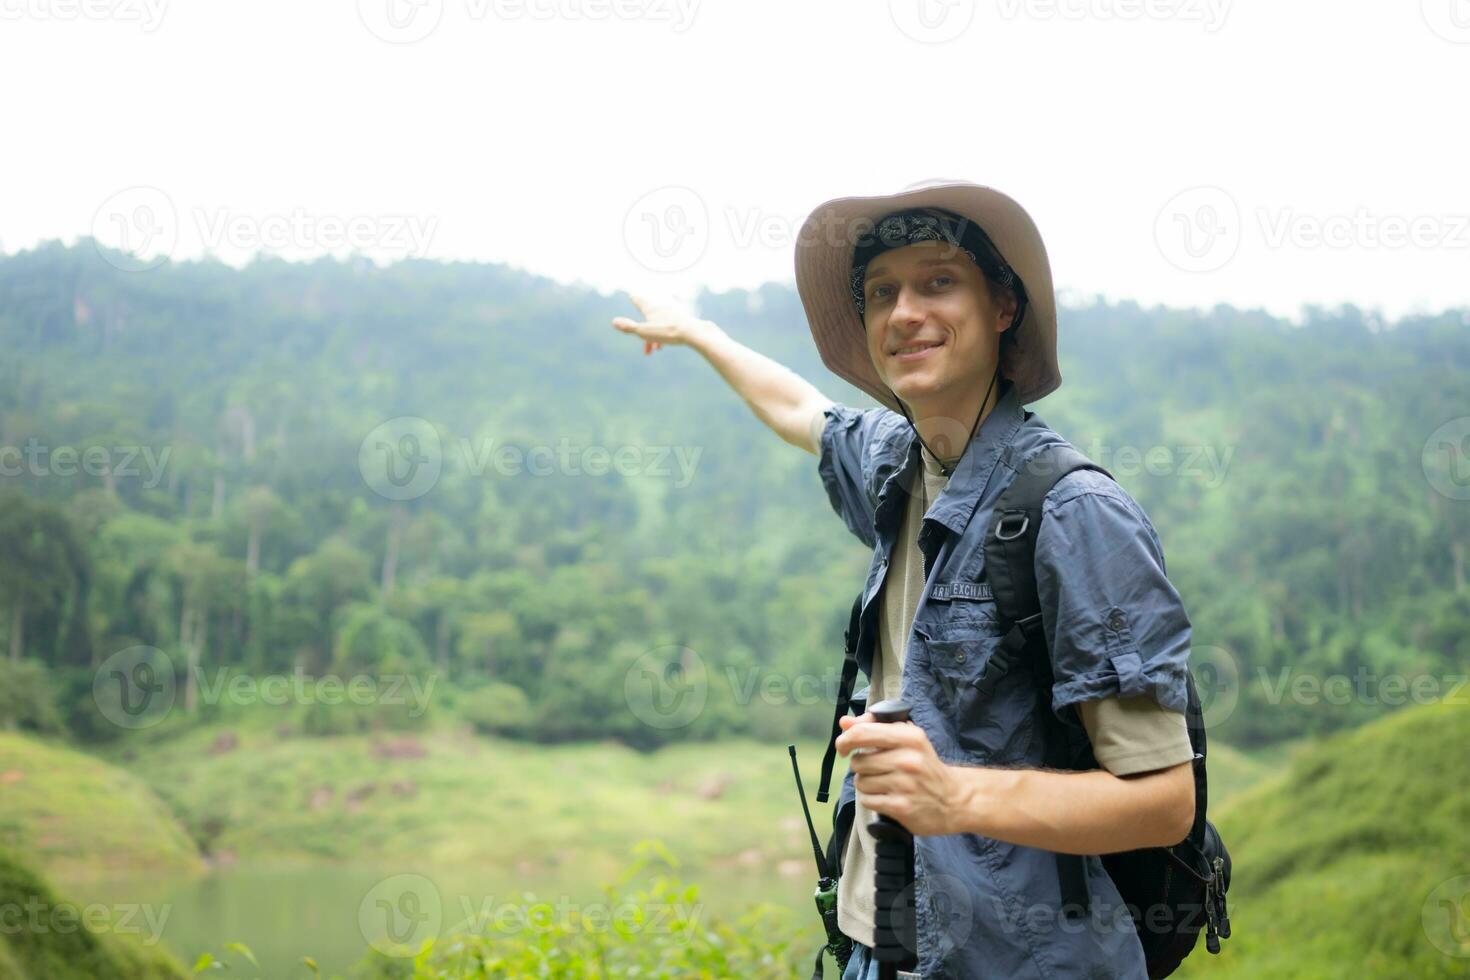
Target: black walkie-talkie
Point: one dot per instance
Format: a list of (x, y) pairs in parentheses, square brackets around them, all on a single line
[(826, 894), (895, 931)]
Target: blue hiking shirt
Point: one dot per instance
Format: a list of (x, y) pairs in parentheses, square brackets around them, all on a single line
[(1114, 624)]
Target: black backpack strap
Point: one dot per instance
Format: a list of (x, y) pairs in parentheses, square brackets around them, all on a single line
[(1010, 568), (844, 695)]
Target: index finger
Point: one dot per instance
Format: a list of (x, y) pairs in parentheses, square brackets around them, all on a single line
[(877, 735)]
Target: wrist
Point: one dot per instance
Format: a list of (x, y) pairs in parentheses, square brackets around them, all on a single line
[(965, 802), (704, 334), (979, 794)]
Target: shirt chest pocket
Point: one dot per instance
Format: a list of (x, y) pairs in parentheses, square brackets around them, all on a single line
[(985, 694)]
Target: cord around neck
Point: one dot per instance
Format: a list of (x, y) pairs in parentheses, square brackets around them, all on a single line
[(949, 470)]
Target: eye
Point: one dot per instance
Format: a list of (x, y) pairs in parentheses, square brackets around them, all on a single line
[(942, 277), (878, 292)]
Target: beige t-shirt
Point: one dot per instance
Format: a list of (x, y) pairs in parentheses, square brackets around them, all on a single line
[(1129, 735)]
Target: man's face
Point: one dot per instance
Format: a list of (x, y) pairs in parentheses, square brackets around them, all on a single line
[(933, 330)]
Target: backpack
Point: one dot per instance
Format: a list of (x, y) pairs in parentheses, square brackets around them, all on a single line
[(1186, 881)]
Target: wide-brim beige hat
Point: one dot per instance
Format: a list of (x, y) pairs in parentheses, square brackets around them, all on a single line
[(824, 252)]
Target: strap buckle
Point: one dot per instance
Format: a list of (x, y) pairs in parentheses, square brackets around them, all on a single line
[(1030, 623), (1001, 526)]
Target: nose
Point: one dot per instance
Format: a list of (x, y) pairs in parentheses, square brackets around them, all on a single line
[(907, 312)]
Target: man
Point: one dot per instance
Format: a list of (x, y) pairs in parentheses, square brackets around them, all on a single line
[(938, 302)]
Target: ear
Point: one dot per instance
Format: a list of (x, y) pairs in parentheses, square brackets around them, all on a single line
[(1005, 302)]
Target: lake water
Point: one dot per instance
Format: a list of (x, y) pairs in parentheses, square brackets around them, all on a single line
[(333, 913)]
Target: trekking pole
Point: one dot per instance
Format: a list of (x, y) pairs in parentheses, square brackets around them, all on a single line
[(895, 933)]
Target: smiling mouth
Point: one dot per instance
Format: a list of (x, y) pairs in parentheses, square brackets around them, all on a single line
[(915, 351)]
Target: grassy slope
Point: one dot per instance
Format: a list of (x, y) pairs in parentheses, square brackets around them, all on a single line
[(74, 815), (1231, 772), (483, 800), (1336, 858), (60, 951), (473, 799)]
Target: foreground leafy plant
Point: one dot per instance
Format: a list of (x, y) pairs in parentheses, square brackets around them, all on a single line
[(660, 931)]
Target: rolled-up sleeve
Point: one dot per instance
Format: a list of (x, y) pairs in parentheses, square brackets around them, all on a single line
[(1115, 624), (846, 465)]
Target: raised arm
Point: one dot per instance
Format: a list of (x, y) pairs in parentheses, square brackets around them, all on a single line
[(780, 398)]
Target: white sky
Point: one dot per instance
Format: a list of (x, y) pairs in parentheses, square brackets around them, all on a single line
[(556, 134)]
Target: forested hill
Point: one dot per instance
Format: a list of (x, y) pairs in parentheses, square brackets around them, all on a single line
[(462, 468)]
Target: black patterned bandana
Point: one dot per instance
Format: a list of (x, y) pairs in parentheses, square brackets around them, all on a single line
[(931, 225)]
